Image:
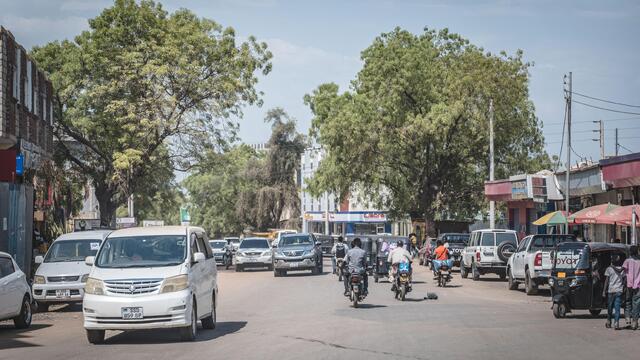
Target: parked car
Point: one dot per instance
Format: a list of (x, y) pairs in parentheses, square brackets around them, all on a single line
[(297, 252), (488, 252), (531, 263), (253, 253), (326, 242), (219, 248), (62, 273), (15, 293), (457, 242), (149, 278), (234, 242)]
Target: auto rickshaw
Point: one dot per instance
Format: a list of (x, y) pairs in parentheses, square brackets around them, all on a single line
[(577, 276), (382, 266)]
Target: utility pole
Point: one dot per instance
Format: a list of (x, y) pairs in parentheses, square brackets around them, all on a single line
[(568, 99), (492, 204), (617, 142), (326, 214), (601, 137)]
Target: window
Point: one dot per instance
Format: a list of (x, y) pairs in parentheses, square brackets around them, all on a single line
[(28, 94), (487, 239), (523, 244), (506, 237), (16, 75), (6, 267), (194, 245), (202, 246)]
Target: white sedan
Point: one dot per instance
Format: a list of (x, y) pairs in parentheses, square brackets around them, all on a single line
[(15, 293)]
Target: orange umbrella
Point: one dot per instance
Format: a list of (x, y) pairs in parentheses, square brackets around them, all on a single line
[(620, 216), (591, 214)]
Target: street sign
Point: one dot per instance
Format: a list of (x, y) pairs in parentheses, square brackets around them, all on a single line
[(125, 222)]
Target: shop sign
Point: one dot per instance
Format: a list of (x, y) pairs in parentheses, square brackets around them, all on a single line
[(519, 190)]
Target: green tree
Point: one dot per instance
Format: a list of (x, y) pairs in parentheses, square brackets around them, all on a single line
[(141, 80), (413, 131)]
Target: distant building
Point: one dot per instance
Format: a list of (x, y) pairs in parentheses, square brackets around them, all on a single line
[(26, 142), (259, 147)]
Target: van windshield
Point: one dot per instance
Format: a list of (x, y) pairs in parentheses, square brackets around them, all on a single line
[(72, 250), (217, 244), (143, 251)]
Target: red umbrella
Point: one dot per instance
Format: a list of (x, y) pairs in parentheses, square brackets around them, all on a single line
[(592, 214), (621, 216)]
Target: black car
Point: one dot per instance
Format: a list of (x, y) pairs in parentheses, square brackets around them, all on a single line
[(457, 242)]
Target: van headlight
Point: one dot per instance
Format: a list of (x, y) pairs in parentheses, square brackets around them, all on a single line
[(38, 279), (94, 286), (84, 278), (174, 283), (266, 253)]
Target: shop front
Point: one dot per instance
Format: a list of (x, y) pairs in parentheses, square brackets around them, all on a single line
[(621, 176), (353, 222)]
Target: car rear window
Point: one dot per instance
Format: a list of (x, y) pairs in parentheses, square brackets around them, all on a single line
[(506, 237), (456, 239), (548, 242), (487, 239)]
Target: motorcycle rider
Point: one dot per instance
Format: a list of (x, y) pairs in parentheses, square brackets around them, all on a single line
[(397, 256), (339, 251), (441, 255), (356, 263)]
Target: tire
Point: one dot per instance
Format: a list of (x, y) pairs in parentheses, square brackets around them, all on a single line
[(464, 272), (559, 310), (529, 287), (513, 284), (354, 300), (95, 336), (314, 271), (23, 320), (475, 272), (595, 313), (505, 250), (503, 276), (209, 322), (189, 332), (403, 292)]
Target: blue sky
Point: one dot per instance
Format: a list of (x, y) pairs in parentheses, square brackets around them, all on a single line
[(320, 41)]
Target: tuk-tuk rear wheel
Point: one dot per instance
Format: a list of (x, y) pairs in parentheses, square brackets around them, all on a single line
[(559, 310), (375, 278)]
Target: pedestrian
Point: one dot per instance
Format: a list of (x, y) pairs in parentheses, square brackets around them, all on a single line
[(614, 286), (631, 268)]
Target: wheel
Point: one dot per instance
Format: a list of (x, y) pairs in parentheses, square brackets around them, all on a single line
[(189, 332), (559, 310), (210, 321), (464, 273), (354, 300), (529, 287), (595, 313), (475, 272), (23, 320), (503, 276), (314, 271), (403, 292), (513, 284), (376, 278), (430, 265), (95, 336)]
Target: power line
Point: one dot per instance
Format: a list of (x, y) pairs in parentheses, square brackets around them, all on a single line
[(624, 147), (590, 121), (606, 101), (578, 155), (606, 109)]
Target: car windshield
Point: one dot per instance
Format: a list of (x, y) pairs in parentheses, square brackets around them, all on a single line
[(506, 237), (143, 251), (296, 240), (217, 244), (254, 243), (72, 250), (456, 239)]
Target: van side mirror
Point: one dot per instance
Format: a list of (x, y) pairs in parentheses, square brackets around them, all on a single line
[(198, 257), (39, 259), (89, 260)]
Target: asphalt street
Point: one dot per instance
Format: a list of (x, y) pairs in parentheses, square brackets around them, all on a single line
[(306, 317)]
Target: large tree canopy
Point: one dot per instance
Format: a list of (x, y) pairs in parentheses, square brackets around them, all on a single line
[(141, 81), (413, 131)]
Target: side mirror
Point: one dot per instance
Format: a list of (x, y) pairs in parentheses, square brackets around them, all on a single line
[(318, 243), (39, 259), (198, 257), (89, 260), (274, 246)]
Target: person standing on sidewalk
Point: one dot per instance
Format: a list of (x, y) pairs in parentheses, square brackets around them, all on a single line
[(614, 287), (631, 268)]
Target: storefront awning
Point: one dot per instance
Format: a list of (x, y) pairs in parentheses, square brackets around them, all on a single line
[(621, 171), (498, 190)]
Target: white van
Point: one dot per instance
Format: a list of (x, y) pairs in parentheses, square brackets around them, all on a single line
[(62, 272), (148, 278), (488, 252)]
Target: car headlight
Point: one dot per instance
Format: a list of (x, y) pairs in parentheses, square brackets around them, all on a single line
[(240, 253), (266, 253), (174, 283), (309, 253), (94, 286), (84, 278), (38, 279)]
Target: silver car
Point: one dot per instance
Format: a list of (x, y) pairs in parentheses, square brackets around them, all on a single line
[(219, 248), (253, 253), (297, 252), (62, 273)]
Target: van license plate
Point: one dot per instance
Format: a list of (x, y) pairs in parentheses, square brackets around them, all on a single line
[(61, 294), (562, 275), (294, 265), (129, 313)]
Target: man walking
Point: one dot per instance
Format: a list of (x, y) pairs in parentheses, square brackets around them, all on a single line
[(631, 268), (614, 287)]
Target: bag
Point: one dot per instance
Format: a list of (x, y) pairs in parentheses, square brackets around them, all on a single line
[(340, 251)]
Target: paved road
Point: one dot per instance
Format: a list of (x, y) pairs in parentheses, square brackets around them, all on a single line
[(306, 317)]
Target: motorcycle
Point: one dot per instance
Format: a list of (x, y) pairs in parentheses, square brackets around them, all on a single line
[(340, 268), (357, 289), (402, 280), (228, 258), (444, 274)]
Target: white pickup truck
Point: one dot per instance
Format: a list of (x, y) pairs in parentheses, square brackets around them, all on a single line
[(531, 263)]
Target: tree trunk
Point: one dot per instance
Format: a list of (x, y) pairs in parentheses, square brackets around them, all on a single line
[(108, 206), (429, 225)]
